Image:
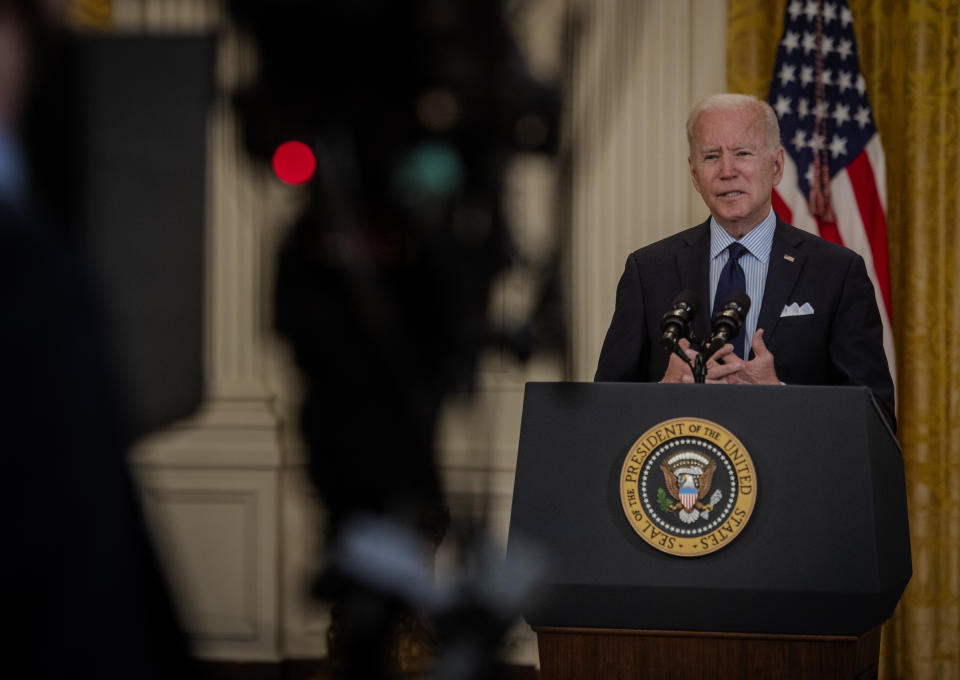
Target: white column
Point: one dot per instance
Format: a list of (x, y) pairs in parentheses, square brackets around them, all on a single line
[(637, 69), (211, 483)]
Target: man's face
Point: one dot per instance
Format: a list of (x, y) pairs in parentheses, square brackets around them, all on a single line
[(732, 168)]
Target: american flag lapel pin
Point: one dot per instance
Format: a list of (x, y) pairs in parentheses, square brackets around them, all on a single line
[(789, 258)]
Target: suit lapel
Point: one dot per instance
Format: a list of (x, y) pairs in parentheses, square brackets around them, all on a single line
[(786, 262), (693, 265)]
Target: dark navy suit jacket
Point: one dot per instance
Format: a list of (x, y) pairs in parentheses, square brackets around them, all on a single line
[(841, 343)]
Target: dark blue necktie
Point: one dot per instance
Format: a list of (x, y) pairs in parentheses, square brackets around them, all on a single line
[(732, 280)]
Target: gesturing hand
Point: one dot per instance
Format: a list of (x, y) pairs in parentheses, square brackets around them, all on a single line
[(757, 371), (677, 369), (720, 372)]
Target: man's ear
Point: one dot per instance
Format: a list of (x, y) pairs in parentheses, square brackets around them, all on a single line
[(778, 161), (693, 174)]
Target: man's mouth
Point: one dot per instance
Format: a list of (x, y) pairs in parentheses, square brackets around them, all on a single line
[(731, 194)]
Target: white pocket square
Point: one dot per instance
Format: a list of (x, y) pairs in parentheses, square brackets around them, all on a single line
[(796, 310)]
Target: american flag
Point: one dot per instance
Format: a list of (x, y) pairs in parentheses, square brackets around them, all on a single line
[(834, 179)]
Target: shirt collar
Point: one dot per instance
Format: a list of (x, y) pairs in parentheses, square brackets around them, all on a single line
[(757, 241)]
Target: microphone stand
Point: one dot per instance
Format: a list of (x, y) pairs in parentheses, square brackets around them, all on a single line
[(699, 365), (699, 369), (707, 350)]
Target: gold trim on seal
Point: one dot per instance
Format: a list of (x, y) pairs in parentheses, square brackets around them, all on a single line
[(707, 445)]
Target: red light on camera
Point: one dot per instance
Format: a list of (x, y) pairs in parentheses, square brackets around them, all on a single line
[(294, 163)]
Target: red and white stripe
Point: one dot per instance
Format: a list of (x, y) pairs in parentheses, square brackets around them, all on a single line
[(859, 200)]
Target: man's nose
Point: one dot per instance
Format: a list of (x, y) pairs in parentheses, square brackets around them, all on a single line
[(728, 165)]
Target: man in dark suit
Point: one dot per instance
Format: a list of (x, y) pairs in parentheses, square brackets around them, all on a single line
[(817, 322)]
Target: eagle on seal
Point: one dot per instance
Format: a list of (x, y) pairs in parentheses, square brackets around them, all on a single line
[(687, 488)]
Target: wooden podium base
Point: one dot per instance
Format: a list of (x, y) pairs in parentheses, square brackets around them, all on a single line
[(591, 653)]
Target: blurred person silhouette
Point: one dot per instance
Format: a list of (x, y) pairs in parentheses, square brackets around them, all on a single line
[(413, 110), (81, 594)]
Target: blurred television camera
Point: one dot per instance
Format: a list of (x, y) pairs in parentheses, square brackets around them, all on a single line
[(408, 112)]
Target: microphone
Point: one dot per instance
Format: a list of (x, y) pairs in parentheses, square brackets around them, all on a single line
[(676, 321), (727, 322)]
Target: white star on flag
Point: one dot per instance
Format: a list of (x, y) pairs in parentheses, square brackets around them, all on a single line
[(791, 41), (786, 74), (782, 107), (845, 81), (838, 146), (829, 12), (841, 114), (844, 50)]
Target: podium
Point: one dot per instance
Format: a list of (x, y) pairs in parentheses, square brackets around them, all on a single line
[(800, 592)]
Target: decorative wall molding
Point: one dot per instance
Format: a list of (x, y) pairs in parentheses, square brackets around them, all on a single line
[(218, 537), (305, 620), (238, 510)]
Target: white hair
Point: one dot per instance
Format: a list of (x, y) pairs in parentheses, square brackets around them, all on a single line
[(727, 101)]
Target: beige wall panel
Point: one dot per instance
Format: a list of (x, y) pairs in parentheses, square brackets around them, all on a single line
[(305, 621), (217, 535)]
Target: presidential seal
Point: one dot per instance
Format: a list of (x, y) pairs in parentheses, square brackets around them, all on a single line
[(688, 487)]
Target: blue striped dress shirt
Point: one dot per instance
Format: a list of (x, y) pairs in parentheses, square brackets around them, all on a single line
[(755, 263)]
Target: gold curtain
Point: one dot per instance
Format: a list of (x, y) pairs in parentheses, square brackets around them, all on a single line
[(94, 14), (909, 54)]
